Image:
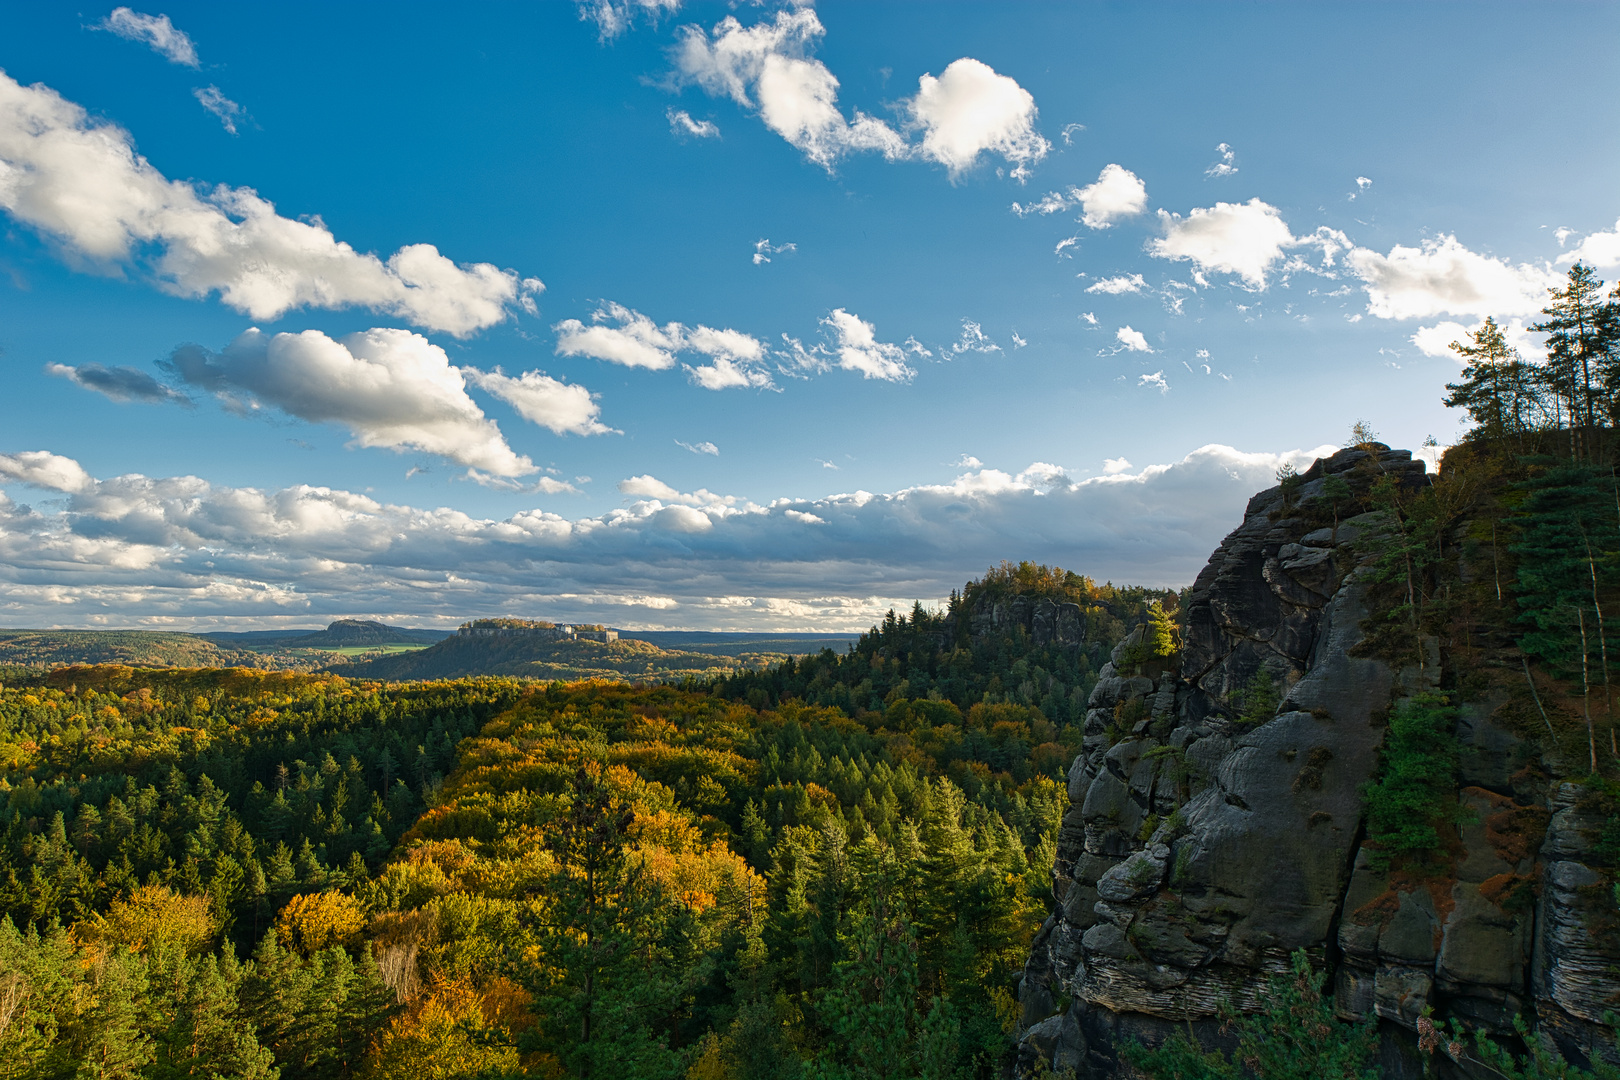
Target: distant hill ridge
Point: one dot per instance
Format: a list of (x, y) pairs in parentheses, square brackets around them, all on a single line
[(542, 653), (351, 632), (137, 648)]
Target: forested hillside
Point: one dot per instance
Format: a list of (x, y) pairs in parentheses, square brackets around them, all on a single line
[(148, 648), (251, 872), (967, 653), (533, 658)]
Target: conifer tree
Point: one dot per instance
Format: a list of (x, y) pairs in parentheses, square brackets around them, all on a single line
[(607, 978), (1577, 352), (109, 1036), (871, 1009), (1493, 385), (1335, 489), (1568, 527)]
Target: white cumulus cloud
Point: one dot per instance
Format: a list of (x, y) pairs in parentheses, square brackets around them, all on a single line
[(390, 388), (153, 31), (766, 67), (43, 469), (80, 182), (635, 342), (1132, 340), (1117, 194), (699, 448), (1155, 380), (970, 109), (567, 409), (966, 111), (724, 373), (1442, 277), (856, 348), (621, 335), (1600, 250), (1234, 238)]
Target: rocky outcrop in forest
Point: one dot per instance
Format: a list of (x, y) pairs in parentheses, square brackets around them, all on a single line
[(1216, 820)]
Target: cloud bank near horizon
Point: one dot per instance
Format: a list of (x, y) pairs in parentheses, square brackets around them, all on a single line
[(179, 551)]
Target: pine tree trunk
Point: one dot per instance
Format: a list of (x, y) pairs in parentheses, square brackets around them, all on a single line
[(1586, 692), (1603, 640), (1496, 563)]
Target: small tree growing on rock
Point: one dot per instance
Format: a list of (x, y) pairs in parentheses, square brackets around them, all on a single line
[(1335, 489)]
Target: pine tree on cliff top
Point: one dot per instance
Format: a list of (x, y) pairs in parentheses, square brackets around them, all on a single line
[(1495, 385), (1576, 349)]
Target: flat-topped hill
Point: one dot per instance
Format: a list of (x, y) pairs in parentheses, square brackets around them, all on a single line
[(350, 633)]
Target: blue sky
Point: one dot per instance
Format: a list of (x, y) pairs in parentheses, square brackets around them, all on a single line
[(740, 316)]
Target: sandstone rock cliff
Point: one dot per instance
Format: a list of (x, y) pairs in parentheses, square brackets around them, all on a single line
[(1200, 849)]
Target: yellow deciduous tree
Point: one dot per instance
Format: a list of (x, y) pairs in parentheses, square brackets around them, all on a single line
[(314, 921)]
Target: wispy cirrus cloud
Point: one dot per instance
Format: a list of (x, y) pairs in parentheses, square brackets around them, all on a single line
[(681, 123), (1116, 286), (156, 32), (973, 339), (614, 17), (1225, 163), (227, 111), (764, 249)]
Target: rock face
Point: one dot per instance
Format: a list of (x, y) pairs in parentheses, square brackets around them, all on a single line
[(1202, 848), (1046, 620)]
